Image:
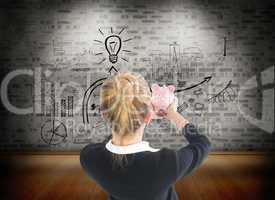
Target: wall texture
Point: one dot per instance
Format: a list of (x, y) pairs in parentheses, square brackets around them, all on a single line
[(54, 56)]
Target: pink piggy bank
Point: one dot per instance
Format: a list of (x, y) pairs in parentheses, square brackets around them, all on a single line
[(162, 97)]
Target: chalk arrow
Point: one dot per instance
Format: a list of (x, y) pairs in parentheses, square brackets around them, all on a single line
[(206, 80)]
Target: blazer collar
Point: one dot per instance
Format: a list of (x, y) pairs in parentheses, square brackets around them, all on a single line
[(132, 148)]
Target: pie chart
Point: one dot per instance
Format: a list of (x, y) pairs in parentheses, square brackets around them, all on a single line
[(53, 132)]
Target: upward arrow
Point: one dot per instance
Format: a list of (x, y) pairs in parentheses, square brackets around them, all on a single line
[(112, 69), (206, 80)]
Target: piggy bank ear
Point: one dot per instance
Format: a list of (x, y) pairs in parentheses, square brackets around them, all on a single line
[(171, 88), (155, 88)]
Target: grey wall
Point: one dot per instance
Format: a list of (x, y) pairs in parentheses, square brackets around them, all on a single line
[(53, 60)]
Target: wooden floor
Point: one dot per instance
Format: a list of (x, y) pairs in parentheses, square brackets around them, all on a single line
[(60, 177)]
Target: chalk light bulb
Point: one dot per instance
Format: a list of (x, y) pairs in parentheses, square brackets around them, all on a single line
[(113, 46)]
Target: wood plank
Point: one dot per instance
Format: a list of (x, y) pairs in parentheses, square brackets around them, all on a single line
[(60, 177)]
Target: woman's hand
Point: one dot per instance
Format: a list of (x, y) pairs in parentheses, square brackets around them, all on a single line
[(172, 108), (174, 116), (160, 113)]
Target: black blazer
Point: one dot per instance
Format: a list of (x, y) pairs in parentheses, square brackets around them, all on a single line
[(147, 175)]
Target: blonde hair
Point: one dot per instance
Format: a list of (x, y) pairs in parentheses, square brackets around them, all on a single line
[(124, 103)]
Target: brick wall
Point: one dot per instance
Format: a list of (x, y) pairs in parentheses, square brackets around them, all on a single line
[(219, 54)]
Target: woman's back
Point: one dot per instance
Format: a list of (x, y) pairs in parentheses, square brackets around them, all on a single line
[(148, 174)]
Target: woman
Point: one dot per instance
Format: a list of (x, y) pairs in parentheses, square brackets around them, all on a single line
[(126, 166)]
